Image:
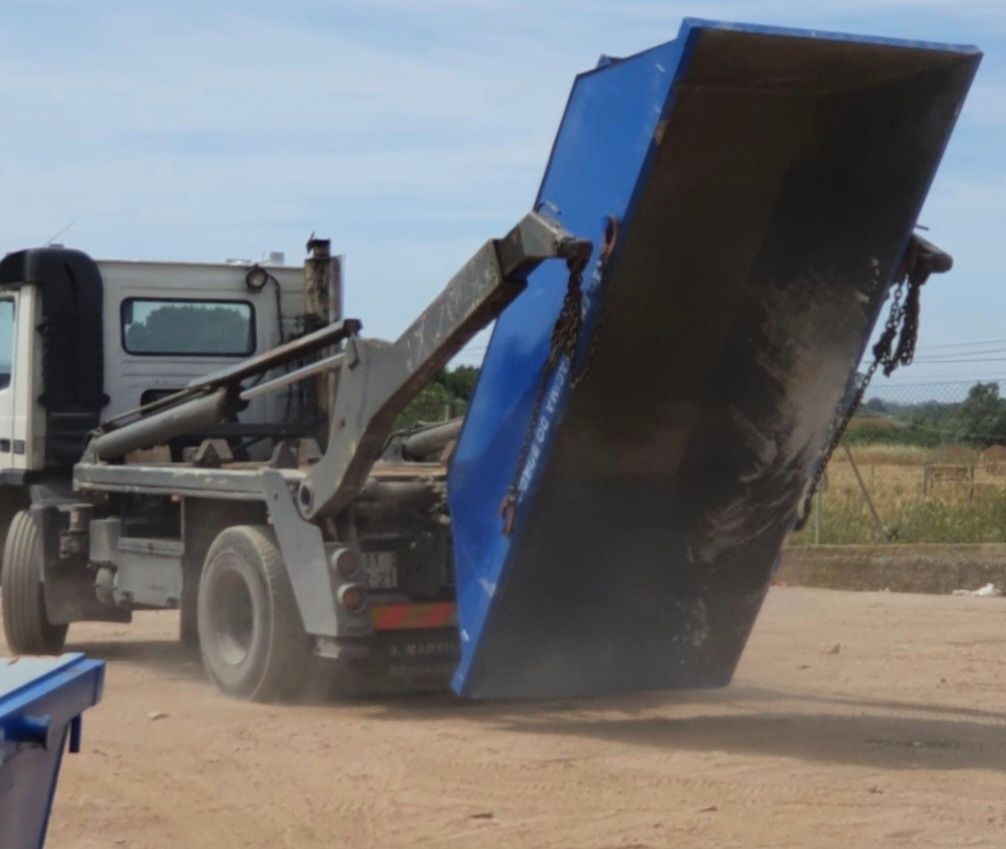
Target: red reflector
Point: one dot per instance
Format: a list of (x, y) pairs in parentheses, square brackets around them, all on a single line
[(399, 617)]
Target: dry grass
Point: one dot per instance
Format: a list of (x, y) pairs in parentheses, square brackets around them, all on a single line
[(891, 455), (913, 455), (948, 511)]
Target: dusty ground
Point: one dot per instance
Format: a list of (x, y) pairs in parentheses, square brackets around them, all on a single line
[(898, 738)]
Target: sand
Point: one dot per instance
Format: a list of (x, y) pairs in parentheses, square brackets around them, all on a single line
[(855, 719)]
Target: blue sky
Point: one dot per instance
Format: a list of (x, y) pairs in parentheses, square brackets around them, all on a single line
[(408, 132)]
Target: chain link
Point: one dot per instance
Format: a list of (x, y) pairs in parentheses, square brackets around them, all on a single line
[(563, 343), (902, 324), (607, 248)]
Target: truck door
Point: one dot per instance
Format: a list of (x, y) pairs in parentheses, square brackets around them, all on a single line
[(8, 310)]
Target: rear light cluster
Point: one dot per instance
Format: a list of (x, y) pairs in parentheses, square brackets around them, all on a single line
[(352, 596), (346, 562)]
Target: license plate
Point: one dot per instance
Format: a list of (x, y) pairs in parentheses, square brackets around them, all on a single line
[(381, 568)]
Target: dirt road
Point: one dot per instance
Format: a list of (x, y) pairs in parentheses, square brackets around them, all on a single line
[(895, 737)]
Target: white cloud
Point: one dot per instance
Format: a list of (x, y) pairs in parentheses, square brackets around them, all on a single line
[(408, 132)]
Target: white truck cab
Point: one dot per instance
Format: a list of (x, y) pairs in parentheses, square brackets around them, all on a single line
[(83, 341)]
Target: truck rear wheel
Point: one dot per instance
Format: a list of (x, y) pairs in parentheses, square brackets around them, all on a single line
[(250, 632), (25, 622)]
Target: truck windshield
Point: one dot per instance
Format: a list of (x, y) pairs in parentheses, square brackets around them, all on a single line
[(188, 327)]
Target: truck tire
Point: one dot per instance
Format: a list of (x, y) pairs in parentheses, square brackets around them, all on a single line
[(25, 623), (251, 636)]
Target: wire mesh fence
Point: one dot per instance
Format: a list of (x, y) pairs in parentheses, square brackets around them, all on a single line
[(922, 461)]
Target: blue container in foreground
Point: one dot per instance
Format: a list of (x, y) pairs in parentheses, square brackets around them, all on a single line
[(41, 701), (765, 183)]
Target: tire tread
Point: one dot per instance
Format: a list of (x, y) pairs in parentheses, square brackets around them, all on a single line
[(284, 669), (26, 626)]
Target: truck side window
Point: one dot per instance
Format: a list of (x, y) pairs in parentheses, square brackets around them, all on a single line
[(172, 326), (6, 340)]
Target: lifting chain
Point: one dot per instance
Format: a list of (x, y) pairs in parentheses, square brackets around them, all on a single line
[(563, 344), (920, 260)]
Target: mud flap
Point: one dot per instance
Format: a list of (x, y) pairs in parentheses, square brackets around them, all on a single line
[(765, 183)]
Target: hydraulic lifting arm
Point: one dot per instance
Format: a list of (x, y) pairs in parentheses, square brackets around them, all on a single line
[(378, 379)]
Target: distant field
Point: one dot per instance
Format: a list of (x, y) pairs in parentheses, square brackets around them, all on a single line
[(962, 499)]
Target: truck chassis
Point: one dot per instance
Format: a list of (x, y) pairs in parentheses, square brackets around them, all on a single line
[(277, 565)]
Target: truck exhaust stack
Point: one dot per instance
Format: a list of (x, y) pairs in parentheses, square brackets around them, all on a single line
[(760, 187)]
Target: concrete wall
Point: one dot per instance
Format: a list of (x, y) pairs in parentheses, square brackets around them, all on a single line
[(899, 568)]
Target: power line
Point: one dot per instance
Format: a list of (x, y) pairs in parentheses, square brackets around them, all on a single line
[(969, 360), (981, 352), (937, 380), (963, 344), (985, 356)]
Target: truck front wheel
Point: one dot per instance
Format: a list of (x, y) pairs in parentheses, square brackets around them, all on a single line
[(25, 623), (250, 632)]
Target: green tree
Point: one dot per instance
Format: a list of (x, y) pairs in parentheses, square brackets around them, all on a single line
[(447, 395), (459, 381), (981, 418)]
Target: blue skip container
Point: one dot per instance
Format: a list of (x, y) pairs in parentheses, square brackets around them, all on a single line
[(41, 701), (617, 510)]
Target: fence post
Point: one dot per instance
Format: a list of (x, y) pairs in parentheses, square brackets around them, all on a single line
[(817, 517), (884, 533)]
